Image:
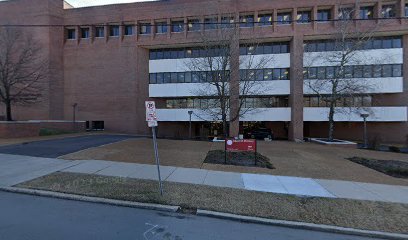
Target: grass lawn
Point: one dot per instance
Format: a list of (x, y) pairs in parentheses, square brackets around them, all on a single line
[(379, 216), (288, 158)]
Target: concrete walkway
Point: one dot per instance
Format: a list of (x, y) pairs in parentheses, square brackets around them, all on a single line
[(17, 169)]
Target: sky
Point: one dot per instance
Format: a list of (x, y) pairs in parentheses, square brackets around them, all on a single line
[(84, 3)]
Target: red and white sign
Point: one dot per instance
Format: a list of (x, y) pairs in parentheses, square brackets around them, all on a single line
[(248, 145), (150, 111), (151, 116)]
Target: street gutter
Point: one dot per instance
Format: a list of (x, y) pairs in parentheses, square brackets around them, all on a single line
[(150, 206), (303, 225)]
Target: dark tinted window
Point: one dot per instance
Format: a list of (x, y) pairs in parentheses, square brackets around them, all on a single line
[(84, 32), (284, 18), (323, 15), (177, 26), (145, 28), (114, 31), (71, 34), (246, 21), (265, 19), (367, 12), (303, 17), (129, 30)]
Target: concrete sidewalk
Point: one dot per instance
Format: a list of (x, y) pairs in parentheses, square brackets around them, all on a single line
[(16, 169)]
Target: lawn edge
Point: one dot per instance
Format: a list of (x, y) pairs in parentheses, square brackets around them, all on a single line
[(82, 198), (303, 225)]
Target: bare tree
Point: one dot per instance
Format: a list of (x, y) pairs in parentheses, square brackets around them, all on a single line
[(22, 68), (335, 84), (221, 57)]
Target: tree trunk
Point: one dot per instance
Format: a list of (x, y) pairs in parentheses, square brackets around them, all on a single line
[(8, 111), (331, 122), (224, 125)]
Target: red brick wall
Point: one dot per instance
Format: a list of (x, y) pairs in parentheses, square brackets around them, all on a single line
[(32, 129)]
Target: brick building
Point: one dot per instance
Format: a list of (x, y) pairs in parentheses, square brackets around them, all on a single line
[(110, 59)]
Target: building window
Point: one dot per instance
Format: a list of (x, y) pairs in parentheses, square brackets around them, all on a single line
[(353, 101), (129, 30), (145, 28), (113, 31), (71, 34), (397, 70), (323, 15), (84, 33), (284, 18), (367, 12), (357, 71), (177, 26), (303, 17), (388, 11), (345, 13), (227, 22), (161, 27), (194, 25), (246, 21), (375, 43), (210, 23), (265, 48), (406, 10), (213, 76), (99, 32), (265, 19)]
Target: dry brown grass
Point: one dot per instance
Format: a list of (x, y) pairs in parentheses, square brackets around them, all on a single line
[(379, 216), (289, 158)]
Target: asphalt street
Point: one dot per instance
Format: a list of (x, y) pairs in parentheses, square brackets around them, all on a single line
[(32, 217), (57, 147)]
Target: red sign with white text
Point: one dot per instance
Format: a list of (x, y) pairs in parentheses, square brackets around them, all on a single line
[(248, 145)]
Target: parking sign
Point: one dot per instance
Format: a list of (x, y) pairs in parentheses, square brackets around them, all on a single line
[(151, 117)]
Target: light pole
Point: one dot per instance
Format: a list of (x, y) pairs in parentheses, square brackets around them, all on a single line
[(73, 114), (365, 116), (189, 129)]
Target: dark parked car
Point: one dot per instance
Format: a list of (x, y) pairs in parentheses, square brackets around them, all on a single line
[(260, 133)]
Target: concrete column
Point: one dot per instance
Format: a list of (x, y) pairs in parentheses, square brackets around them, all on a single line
[(296, 88), (314, 17), (234, 86), (405, 71)]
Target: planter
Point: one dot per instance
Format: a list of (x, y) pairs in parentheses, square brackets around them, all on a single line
[(335, 142)]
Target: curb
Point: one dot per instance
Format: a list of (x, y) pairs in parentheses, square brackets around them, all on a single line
[(66, 196), (302, 225)]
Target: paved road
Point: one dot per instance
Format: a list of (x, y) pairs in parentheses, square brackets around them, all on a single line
[(31, 217), (58, 147)]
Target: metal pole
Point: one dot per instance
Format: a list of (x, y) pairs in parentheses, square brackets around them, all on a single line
[(189, 130), (156, 155), (365, 133), (74, 116)]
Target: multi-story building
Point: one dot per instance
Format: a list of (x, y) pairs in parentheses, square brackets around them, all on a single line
[(110, 59)]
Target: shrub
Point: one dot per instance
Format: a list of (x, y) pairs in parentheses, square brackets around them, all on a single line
[(395, 149), (50, 132), (375, 143)]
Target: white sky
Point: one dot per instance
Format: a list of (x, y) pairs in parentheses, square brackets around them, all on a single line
[(84, 3)]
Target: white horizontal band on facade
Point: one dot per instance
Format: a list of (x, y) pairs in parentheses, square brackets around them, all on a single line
[(246, 62), (276, 87), (258, 114), (320, 114), (374, 85), (377, 114), (363, 57)]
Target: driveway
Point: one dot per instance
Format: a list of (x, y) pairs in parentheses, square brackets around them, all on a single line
[(58, 147)]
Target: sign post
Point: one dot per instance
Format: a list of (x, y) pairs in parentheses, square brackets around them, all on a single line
[(151, 119)]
